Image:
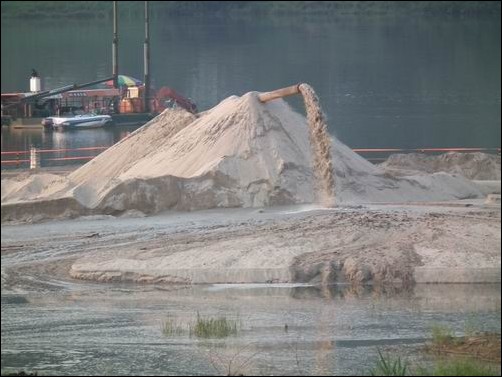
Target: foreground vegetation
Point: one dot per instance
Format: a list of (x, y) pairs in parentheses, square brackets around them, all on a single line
[(395, 366), (213, 327), (202, 327), (482, 346), (476, 354)]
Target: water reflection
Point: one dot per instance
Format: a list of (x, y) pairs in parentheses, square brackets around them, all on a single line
[(84, 328), (62, 143), (83, 138)]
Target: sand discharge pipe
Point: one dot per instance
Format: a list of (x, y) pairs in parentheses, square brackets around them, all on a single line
[(319, 138), (279, 93)]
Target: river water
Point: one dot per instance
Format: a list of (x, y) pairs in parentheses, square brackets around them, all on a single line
[(384, 82), (117, 329)]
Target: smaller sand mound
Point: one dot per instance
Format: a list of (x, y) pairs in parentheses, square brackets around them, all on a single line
[(478, 166), (28, 185)]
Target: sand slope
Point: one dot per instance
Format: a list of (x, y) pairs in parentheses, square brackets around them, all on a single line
[(241, 153)]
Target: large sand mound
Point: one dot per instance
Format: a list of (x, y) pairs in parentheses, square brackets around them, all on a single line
[(241, 153)]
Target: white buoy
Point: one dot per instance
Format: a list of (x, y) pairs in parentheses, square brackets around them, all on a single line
[(34, 158), (35, 85)]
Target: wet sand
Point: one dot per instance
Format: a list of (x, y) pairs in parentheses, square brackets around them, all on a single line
[(372, 244)]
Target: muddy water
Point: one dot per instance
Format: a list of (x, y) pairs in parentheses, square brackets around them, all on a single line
[(304, 330)]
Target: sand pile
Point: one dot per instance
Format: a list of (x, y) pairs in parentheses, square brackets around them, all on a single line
[(238, 154), (479, 166), (241, 153)]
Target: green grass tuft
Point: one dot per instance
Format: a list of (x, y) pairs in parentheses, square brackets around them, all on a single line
[(171, 327), (388, 366), (213, 327)]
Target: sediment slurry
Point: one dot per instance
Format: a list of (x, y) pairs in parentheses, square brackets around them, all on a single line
[(321, 145)]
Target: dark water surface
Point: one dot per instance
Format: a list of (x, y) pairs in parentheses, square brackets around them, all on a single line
[(407, 82)]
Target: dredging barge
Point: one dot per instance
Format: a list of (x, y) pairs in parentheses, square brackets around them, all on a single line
[(126, 100)]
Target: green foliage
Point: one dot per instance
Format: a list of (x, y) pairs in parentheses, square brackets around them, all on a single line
[(441, 334), (201, 328), (213, 327), (460, 367), (388, 366), (171, 327)]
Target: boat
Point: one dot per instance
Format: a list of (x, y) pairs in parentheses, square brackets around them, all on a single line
[(77, 122)]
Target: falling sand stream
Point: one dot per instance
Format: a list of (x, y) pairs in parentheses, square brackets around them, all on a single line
[(320, 142), (321, 146)]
